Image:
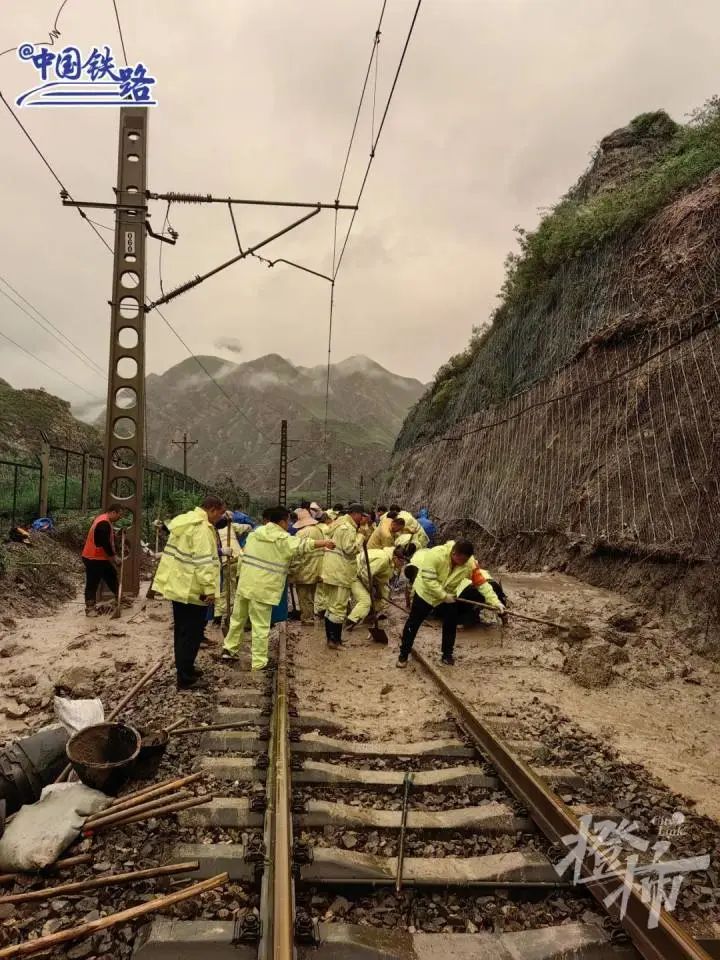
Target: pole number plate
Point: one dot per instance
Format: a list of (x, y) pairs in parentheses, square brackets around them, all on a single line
[(129, 242)]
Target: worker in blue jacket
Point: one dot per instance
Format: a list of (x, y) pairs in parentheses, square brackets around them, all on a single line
[(423, 518)]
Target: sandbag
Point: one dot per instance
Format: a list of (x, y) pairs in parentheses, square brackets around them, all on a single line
[(75, 715), (40, 832)]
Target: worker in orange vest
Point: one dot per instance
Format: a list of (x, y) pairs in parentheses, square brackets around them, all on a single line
[(99, 557)]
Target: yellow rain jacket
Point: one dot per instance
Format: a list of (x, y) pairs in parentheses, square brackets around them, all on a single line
[(229, 565), (412, 532), (483, 587), (306, 567), (381, 568), (265, 562), (382, 535), (436, 577), (339, 567), (189, 566)]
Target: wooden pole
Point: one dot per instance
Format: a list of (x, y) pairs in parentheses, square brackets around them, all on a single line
[(139, 796), (107, 881), (67, 864), (131, 693), (115, 816), (520, 616), (228, 611), (184, 731), (29, 947), (132, 817)]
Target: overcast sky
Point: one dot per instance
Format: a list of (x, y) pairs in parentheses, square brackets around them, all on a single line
[(498, 107)]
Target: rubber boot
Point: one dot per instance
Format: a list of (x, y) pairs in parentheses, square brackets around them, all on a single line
[(332, 634)]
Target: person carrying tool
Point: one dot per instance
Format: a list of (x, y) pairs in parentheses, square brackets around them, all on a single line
[(383, 565), (339, 570), (305, 568), (386, 533), (99, 557), (187, 575), (230, 551), (261, 582), (439, 574)]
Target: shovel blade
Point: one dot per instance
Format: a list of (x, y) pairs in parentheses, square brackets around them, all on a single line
[(378, 635)]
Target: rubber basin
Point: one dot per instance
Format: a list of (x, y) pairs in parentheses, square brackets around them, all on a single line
[(103, 755), (153, 744)]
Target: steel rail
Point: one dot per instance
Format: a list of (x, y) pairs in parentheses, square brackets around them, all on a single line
[(277, 907), (669, 940)]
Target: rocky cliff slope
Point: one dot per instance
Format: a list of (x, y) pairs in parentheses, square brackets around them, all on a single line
[(580, 428)]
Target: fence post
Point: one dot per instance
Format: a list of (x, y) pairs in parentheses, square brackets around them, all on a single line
[(85, 487), (44, 476)]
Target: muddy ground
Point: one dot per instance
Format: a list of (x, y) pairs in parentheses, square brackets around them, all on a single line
[(614, 696), (629, 682)]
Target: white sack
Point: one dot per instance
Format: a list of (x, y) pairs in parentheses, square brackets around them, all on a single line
[(75, 715), (40, 832)]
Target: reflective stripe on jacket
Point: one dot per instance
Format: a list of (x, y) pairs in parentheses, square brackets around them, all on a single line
[(189, 565), (91, 551), (264, 564), (436, 576), (339, 567)]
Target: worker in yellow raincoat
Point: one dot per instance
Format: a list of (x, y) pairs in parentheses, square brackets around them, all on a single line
[(384, 564), (440, 575), (230, 558), (339, 570), (261, 581), (306, 567), (187, 575), (386, 533)]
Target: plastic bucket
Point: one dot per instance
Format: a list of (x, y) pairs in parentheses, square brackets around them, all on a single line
[(103, 755)]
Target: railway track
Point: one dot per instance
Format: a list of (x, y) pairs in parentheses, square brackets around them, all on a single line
[(340, 832)]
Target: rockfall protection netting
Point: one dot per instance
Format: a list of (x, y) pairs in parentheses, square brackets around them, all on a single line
[(620, 444)]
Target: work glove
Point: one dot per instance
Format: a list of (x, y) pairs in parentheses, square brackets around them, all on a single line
[(158, 523), (116, 560), (450, 598), (226, 551)]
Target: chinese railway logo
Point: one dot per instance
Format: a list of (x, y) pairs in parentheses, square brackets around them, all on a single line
[(70, 79)]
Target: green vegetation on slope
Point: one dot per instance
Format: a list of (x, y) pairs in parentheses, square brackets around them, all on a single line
[(575, 226), (585, 221)]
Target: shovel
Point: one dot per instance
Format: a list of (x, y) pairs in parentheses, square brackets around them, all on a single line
[(377, 633), (118, 600)]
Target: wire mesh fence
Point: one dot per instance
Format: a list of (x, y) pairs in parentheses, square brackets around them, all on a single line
[(19, 491), (74, 485), (614, 447), (595, 410)]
